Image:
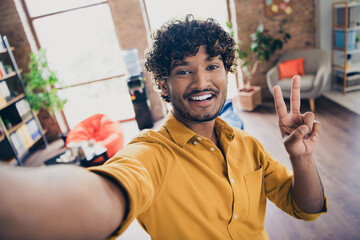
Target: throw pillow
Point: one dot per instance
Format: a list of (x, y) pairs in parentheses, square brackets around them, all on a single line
[(300, 63), (288, 69)]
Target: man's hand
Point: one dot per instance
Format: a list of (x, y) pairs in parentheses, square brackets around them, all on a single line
[(300, 131), (301, 135)]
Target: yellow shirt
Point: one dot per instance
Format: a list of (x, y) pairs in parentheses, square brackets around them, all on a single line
[(182, 186)]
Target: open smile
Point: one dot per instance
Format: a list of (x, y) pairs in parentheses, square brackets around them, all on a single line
[(203, 99)]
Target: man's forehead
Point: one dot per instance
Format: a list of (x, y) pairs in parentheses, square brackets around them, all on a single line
[(184, 62)]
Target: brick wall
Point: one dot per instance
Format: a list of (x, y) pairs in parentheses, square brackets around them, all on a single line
[(11, 26), (131, 32), (300, 24)]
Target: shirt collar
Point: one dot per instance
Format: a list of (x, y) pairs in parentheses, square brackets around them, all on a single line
[(181, 134)]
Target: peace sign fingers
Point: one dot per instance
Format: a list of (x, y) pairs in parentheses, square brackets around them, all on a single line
[(280, 105), (295, 95)]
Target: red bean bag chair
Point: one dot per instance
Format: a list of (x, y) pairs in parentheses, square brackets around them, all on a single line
[(104, 131)]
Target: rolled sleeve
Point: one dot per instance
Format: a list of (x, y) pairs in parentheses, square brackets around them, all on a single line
[(300, 214), (278, 185)]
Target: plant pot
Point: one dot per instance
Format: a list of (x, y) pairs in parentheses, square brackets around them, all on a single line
[(248, 99)]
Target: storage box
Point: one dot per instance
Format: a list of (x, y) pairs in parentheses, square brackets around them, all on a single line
[(352, 79), (340, 39)]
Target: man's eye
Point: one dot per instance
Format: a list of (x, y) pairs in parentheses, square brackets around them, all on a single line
[(182, 72), (212, 67)]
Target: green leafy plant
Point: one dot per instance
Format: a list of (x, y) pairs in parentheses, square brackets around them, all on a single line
[(40, 85), (263, 45)]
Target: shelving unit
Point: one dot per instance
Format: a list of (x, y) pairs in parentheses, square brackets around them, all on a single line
[(345, 54), (19, 126)]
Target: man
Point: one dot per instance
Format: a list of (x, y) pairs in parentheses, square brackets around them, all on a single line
[(194, 178)]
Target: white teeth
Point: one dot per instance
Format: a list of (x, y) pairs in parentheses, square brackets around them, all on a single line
[(202, 97)]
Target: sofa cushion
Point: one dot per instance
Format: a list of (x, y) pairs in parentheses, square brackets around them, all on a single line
[(307, 82), (300, 64)]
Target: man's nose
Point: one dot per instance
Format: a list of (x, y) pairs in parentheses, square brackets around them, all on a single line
[(201, 79)]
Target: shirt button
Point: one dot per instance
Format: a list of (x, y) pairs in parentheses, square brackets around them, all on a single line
[(195, 142), (199, 138), (212, 149), (232, 180), (235, 216)]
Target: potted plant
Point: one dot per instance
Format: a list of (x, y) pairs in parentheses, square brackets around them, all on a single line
[(263, 45), (41, 91)]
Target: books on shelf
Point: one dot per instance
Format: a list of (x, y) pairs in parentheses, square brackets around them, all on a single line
[(24, 133), (23, 108), (33, 129), (18, 143), (5, 90), (2, 69), (22, 138)]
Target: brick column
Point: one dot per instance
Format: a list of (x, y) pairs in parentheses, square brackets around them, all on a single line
[(131, 32)]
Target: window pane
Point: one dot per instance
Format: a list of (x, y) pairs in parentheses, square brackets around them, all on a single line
[(42, 7), (81, 47), (110, 97)]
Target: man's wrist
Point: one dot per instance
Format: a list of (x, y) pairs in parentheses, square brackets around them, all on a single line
[(301, 161)]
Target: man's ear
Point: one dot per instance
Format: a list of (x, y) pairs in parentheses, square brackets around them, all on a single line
[(164, 87)]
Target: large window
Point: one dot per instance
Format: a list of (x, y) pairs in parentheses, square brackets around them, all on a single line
[(83, 49)]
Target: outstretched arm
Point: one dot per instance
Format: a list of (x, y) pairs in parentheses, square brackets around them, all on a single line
[(60, 202), (301, 134)]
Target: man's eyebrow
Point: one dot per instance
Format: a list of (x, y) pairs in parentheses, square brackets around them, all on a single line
[(177, 63), (215, 58)]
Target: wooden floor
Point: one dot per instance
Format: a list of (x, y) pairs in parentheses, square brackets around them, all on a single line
[(338, 162)]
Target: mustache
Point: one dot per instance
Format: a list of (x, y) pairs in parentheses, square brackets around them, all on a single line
[(196, 91)]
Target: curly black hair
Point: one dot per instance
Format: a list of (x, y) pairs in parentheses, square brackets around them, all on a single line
[(178, 39)]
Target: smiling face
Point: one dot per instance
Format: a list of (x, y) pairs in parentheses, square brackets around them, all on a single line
[(197, 87)]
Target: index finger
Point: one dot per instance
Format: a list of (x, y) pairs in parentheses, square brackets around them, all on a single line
[(295, 94), (280, 105)]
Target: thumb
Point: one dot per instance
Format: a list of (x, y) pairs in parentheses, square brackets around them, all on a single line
[(297, 135)]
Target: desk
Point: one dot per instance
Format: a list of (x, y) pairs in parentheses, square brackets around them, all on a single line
[(90, 155)]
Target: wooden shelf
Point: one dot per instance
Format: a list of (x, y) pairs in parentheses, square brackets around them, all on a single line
[(354, 68), (342, 28), (342, 50), (9, 75), (17, 126), (9, 110), (347, 89), (15, 99), (5, 50), (349, 4), (344, 15)]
